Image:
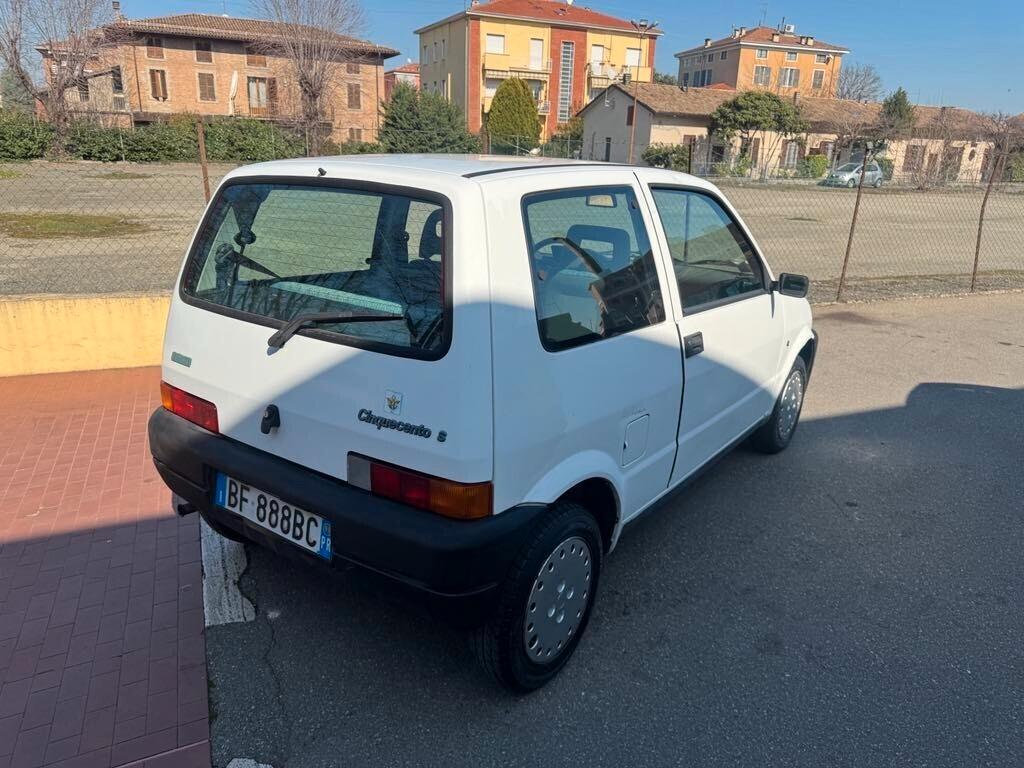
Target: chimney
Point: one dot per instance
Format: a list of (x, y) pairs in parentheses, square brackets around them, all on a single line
[(707, 42), (810, 40), (735, 33), (775, 37), (743, 31)]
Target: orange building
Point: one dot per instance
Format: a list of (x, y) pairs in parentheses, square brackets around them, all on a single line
[(776, 60), (566, 53)]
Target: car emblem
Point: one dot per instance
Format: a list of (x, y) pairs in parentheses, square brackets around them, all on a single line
[(393, 402)]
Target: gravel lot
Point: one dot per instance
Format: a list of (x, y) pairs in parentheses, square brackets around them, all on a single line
[(925, 240), (855, 600)]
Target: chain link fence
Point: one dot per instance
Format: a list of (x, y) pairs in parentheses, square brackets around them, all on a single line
[(81, 227)]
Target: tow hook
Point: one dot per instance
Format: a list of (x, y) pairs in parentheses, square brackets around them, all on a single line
[(180, 506)]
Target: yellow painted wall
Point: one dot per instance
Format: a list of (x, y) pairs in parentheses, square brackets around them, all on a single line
[(738, 68), (615, 45), (49, 334), (452, 67)]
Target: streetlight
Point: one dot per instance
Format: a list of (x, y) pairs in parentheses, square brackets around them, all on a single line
[(642, 27)]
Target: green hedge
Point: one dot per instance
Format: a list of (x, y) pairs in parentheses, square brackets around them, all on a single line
[(812, 167), (22, 137), (675, 157)]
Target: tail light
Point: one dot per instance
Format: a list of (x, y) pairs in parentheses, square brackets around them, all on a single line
[(463, 501), (195, 409)]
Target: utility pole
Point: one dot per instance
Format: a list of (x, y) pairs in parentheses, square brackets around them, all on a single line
[(643, 27)]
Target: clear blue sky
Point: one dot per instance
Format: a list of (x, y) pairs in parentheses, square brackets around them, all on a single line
[(969, 54)]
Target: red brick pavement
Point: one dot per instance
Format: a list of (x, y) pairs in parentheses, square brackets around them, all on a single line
[(102, 654)]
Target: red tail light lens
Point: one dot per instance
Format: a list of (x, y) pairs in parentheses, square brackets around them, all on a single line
[(463, 501), (195, 409)]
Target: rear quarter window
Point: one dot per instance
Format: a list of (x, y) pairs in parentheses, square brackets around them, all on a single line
[(270, 251)]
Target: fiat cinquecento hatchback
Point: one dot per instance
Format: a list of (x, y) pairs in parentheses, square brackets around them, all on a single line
[(469, 373)]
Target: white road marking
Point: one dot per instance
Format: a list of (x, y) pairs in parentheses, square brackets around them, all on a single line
[(224, 562)]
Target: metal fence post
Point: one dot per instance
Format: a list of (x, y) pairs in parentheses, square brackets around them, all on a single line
[(201, 135)]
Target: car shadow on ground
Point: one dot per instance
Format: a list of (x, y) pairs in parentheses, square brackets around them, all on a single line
[(857, 595)]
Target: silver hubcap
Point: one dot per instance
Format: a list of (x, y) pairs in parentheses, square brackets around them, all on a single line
[(789, 410), (558, 600)]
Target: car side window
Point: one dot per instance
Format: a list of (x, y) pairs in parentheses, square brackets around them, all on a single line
[(712, 258), (593, 269)]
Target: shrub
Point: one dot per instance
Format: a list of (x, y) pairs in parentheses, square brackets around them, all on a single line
[(886, 164), (246, 140), (512, 120), (1014, 167), (675, 157), (416, 121), (22, 137), (812, 167), (358, 148)]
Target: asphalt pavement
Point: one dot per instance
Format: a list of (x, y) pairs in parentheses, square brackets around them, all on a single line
[(853, 601)]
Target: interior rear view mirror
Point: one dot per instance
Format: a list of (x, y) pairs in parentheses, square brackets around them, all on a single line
[(793, 285)]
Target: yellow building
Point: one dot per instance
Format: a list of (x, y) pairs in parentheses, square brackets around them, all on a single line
[(777, 60), (566, 53)]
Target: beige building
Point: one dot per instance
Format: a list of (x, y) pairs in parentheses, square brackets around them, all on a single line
[(565, 52), (948, 143), (218, 65), (776, 60)]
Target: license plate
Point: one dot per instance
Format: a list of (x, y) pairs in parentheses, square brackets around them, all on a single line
[(302, 528)]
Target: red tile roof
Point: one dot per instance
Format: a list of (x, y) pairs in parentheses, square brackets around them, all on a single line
[(208, 26), (554, 12), (764, 35), (410, 68), (720, 87)]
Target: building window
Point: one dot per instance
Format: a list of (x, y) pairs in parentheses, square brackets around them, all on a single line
[(352, 67), (83, 90), (262, 95), (355, 134), (355, 96), (761, 53), (789, 77), (686, 78), (444, 49), (633, 60), (711, 57), (791, 154), (565, 73), (790, 55), (818, 79), (723, 55), (495, 43), (204, 52), (820, 58), (254, 58), (630, 114), (158, 84), (435, 51), (491, 87), (913, 158), (154, 48), (425, 59), (116, 81), (763, 76), (207, 87)]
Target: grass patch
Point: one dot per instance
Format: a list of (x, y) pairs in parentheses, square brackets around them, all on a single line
[(45, 226), (5, 174), (120, 175)]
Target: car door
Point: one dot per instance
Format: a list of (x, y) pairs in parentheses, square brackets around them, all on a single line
[(729, 322), (587, 364)]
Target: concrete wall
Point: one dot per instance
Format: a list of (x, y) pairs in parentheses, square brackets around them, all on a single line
[(50, 334)]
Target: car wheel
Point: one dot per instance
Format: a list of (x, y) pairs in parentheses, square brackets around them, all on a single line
[(775, 434), (878, 183), (851, 183), (544, 603)]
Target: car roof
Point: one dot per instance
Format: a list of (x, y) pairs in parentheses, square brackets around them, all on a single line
[(446, 169)]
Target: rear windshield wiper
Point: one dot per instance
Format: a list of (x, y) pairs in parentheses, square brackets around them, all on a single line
[(290, 328), (228, 254)]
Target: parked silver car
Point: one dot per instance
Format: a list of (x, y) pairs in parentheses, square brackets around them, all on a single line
[(848, 175)]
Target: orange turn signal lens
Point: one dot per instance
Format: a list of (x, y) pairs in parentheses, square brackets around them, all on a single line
[(190, 407), (461, 501)]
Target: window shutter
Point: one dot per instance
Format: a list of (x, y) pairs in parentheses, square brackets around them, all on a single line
[(272, 93)]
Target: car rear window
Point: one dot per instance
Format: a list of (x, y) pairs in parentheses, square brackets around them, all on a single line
[(268, 252)]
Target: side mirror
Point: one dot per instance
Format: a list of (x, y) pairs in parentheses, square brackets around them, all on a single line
[(792, 285)]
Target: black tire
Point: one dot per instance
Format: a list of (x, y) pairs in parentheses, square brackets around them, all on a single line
[(500, 645), (770, 437), (851, 184), (878, 184)]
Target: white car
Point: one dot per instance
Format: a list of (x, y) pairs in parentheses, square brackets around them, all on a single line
[(469, 373), (848, 175)]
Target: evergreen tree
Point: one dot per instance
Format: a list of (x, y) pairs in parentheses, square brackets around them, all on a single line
[(424, 122), (13, 95), (512, 121)]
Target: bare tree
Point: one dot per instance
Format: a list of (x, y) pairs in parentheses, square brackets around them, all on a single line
[(859, 82), (1005, 133), (315, 38), (70, 35)]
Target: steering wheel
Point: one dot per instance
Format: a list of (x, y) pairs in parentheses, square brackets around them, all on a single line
[(585, 258)]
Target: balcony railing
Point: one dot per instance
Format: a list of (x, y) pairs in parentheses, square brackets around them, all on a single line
[(603, 75), (543, 107), (500, 66)]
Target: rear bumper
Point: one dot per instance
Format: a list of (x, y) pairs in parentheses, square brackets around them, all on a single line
[(455, 560)]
